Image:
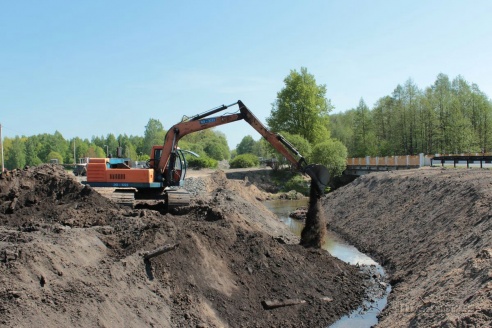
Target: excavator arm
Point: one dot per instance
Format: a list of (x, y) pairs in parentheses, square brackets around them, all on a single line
[(318, 173)]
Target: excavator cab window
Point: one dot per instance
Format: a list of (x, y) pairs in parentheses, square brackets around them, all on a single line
[(157, 156), (179, 171)]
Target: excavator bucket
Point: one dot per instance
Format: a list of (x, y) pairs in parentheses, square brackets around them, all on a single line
[(319, 176)]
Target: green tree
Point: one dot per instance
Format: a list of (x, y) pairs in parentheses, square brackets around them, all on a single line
[(53, 142), (207, 142), (154, 135), (81, 148), (301, 144), (112, 144), (341, 127), (246, 145), (332, 154), (481, 118), (15, 154), (56, 155), (244, 160), (264, 149), (96, 152), (301, 108), (364, 139), (216, 150), (446, 117), (32, 145), (441, 101), (383, 122), (428, 123)]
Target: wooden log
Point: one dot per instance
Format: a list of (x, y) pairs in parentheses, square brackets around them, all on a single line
[(272, 304), (161, 250)]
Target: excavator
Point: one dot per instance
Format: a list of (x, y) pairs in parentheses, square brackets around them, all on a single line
[(164, 177)]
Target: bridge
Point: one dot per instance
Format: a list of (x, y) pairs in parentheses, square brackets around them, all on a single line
[(364, 165)]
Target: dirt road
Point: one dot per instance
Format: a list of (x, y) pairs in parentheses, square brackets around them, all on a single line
[(71, 258)]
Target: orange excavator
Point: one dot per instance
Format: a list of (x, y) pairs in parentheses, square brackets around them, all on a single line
[(164, 177)]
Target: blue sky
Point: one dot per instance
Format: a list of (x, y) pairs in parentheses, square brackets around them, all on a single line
[(89, 68)]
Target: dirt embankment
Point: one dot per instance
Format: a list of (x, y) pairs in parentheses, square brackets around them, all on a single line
[(432, 230), (70, 257)]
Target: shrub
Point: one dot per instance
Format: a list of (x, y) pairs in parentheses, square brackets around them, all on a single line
[(331, 153), (244, 160), (202, 162), (297, 183)]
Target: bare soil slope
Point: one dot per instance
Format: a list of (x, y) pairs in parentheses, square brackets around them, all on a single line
[(70, 257), (432, 229)]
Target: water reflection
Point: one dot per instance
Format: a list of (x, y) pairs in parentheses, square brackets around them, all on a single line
[(333, 244)]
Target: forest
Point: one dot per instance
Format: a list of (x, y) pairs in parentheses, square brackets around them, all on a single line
[(42, 148), (450, 116)]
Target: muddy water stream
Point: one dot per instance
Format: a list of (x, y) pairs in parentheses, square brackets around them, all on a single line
[(366, 315)]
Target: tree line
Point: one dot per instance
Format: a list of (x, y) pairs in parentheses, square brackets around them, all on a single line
[(300, 112), (42, 148), (450, 116)]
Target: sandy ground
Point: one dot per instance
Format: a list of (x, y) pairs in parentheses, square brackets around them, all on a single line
[(72, 258), (432, 231)]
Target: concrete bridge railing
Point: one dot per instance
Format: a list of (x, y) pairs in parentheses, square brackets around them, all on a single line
[(406, 160), (364, 165)]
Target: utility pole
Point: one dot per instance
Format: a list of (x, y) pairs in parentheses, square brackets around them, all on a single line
[(1, 146), (74, 159)]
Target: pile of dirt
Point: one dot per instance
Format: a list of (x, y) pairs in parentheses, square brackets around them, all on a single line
[(70, 257), (45, 194), (432, 231)]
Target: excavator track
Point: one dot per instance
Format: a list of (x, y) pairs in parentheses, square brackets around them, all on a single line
[(123, 196), (177, 198), (126, 196)]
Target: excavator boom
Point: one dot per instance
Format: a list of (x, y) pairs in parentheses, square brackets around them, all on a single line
[(318, 173)]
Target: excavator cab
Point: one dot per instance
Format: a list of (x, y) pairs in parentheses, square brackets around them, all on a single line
[(175, 172), (178, 170)]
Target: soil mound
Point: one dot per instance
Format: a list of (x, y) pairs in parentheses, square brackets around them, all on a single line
[(47, 194), (70, 257), (432, 229)]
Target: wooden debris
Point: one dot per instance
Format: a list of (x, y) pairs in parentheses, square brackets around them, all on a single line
[(161, 250), (272, 304)]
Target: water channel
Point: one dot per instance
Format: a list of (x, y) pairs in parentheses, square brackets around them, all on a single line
[(366, 315)]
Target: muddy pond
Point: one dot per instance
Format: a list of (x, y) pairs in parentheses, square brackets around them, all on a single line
[(366, 315)]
